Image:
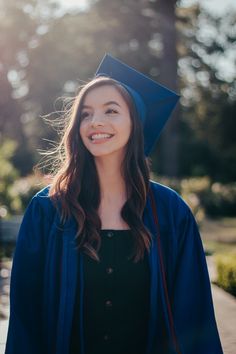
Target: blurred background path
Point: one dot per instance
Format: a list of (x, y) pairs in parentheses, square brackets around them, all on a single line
[(225, 311)]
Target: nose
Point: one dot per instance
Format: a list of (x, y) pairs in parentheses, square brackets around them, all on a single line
[(97, 120)]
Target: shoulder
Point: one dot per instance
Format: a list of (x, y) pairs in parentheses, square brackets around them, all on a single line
[(42, 193), (173, 212), (175, 217), (168, 197), (42, 201)]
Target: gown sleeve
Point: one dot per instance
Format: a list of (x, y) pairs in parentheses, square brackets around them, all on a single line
[(192, 304), (25, 323)]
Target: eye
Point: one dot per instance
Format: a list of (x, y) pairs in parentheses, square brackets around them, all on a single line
[(84, 115), (111, 111)]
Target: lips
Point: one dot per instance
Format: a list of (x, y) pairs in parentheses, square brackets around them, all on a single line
[(100, 136)]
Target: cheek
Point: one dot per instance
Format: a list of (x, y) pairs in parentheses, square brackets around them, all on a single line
[(82, 131), (127, 129)]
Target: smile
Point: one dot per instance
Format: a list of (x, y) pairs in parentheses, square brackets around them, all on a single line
[(100, 136)]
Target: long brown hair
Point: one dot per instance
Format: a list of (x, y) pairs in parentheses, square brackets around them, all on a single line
[(76, 183)]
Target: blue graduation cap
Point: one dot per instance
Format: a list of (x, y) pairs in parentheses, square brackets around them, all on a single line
[(153, 101)]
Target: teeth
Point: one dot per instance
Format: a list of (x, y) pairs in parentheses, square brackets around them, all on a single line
[(100, 136)]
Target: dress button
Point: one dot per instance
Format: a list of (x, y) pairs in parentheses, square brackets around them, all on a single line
[(109, 270), (108, 303), (110, 234)]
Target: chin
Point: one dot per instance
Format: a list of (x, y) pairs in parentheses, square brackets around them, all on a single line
[(99, 153)]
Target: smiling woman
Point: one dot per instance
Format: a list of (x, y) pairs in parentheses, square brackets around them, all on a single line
[(110, 140), (114, 261), (106, 123)]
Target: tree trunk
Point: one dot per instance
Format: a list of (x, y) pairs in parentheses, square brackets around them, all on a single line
[(168, 77)]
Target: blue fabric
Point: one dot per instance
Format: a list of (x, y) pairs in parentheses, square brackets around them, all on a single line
[(139, 104), (44, 273)]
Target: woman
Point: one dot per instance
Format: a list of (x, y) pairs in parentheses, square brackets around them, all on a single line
[(108, 261)]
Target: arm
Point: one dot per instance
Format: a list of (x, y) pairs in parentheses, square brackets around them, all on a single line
[(191, 299), (25, 324)]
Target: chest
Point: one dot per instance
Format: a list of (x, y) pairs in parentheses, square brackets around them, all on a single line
[(110, 216), (116, 269), (116, 297)]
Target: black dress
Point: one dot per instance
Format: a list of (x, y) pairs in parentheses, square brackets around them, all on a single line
[(116, 299)]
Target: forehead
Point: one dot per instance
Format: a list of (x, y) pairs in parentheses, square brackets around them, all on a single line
[(103, 94)]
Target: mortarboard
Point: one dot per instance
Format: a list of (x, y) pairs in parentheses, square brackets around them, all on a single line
[(153, 101)]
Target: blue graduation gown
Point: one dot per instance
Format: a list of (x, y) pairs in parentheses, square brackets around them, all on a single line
[(45, 271)]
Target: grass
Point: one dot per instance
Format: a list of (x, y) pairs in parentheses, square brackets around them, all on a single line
[(219, 236), (219, 241), (214, 247)]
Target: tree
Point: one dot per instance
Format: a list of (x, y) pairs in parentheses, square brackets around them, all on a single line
[(19, 24), (207, 93), (169, 142)]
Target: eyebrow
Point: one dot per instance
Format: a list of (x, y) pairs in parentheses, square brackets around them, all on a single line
[(105, 104)]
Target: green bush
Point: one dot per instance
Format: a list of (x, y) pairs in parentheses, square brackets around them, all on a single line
[(23, 189), (226, 272), (220, 200), (8, 174), (204, 196)]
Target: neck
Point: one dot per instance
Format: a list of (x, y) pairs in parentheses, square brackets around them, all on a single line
[(111, 181)]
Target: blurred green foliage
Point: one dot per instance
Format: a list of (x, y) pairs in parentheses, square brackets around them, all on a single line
[(15, 191), (204, 196), (19, 192), (8, 174), (208, 145), (226, 272)]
